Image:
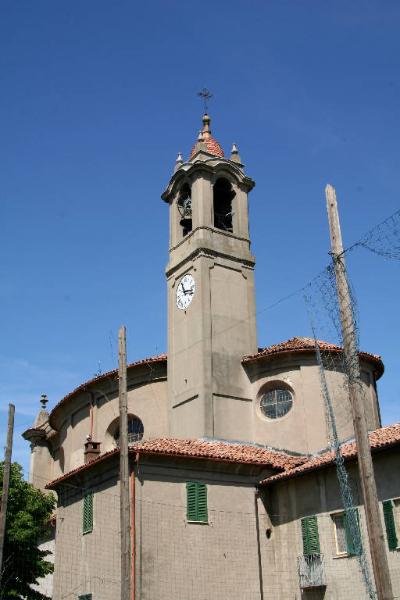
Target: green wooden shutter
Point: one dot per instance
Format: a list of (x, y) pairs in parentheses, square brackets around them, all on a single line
[(87, 512), (309, 531), (390, 524), (202, 513), (191, 501), (196, 496), (85, 597), (353, 537)]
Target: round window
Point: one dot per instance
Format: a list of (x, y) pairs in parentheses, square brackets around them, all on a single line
[(276, 403)]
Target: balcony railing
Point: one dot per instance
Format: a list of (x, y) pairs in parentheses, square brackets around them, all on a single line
[(311, 571)]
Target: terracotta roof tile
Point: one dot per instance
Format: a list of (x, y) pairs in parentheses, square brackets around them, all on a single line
[(219, 450), (305, 344), (196, 448), (379, 439), (212, 147), (211, 144)]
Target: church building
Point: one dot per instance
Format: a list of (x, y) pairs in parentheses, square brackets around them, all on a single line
[(233, 488)]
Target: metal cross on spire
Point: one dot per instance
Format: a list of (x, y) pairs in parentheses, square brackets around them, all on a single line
[(206, 95)]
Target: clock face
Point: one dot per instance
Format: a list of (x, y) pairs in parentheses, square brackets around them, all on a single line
[(185, 292)]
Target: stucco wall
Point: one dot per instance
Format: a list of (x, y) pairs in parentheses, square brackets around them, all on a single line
[(318, 494), (175, 560), (223, 558), (179, 560), (303, 428), (88, 563), (148, 401)]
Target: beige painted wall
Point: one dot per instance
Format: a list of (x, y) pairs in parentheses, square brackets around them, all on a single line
[(233, 411), (88, 563), (147, 401), (318, 494), (303, 428)]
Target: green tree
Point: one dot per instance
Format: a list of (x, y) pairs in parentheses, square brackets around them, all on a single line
[(27, 522)]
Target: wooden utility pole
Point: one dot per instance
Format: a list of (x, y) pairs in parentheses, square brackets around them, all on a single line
[(124, 470), (6, 481), (374, 524)]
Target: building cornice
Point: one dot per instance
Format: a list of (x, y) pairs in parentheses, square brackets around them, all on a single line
[(198, 168), (210, 253)]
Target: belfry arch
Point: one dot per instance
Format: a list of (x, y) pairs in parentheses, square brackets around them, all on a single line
[(223, 196)]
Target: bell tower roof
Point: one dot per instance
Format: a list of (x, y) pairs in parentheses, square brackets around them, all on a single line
[(206, 141)]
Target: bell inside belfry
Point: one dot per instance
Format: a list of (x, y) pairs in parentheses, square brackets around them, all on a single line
[(185, 209)]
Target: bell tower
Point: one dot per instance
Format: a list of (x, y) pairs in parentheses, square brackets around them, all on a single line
[(211, 300)]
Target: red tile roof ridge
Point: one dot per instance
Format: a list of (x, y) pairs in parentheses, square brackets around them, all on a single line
[(212, 147), (381, 438), (220, 451), (113, 373), (306, 344)]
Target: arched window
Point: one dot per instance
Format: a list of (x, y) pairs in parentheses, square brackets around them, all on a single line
[(185, 209), (222, 201), (135, 430)]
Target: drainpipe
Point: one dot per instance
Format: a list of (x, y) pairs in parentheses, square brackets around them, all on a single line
[(260, 573), (133, 522), (91, 415)]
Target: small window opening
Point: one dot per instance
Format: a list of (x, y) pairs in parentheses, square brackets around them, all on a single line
[(223, 196), (185, 209), (135, 430)]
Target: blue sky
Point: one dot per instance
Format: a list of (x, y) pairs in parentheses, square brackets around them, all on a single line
[(96, 100)]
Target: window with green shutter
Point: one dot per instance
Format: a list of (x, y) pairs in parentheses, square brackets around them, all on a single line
[(87, 525), (196, 499), (353, 533), (347, 532), (85, 597), (390, 524), (309, 531)]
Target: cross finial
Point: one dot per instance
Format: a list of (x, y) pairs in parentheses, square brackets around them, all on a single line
[(43, 401), (206, 95)]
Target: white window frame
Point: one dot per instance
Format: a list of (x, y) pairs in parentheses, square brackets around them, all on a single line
[(334, 515)]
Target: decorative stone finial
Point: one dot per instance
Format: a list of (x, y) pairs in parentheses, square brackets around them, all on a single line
[(200, 136), (235, 154), (206, 127), (43, 401), (179, 161)]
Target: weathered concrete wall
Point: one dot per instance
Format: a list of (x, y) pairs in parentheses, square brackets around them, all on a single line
[(148, 401), (223, 558), (175, 559), (179, 560), (318, 494), (303, 428), (88, 563)]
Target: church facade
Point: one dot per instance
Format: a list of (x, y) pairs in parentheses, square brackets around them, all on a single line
[(233, 489)]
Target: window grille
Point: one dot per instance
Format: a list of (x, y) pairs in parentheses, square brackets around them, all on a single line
[(276, 403), (135, 431)]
